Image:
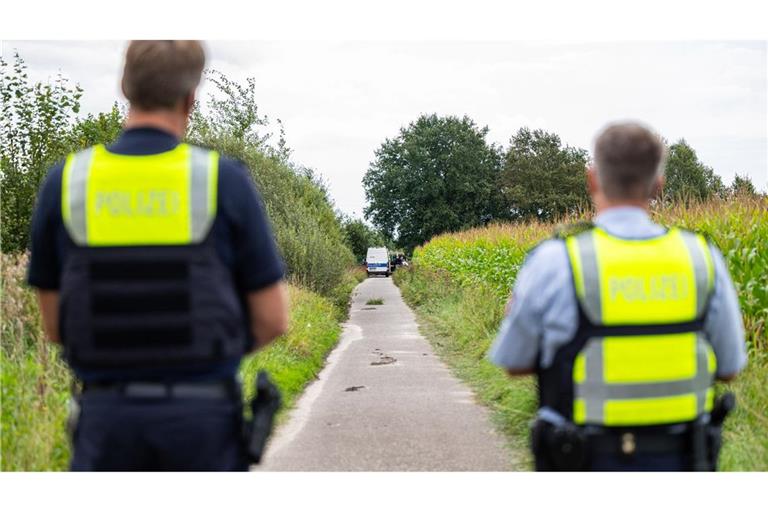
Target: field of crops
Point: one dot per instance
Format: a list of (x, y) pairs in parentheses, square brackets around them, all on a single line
[(492, 256), (460, 281)]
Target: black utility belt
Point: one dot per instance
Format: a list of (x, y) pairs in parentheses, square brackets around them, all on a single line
[(632, 442), (568, 447), (138, 389)]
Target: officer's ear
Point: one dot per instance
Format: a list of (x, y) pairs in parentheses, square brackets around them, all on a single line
[(658, 186), (593, 184), (188, 103)]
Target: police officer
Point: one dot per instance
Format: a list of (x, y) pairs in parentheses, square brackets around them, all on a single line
[(626, 324), (157, 271)]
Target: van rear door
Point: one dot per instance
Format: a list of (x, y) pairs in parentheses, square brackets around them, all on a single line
[(377, 260)]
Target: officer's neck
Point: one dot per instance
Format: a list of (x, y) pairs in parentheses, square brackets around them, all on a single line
[(171, 121), (603, 203)]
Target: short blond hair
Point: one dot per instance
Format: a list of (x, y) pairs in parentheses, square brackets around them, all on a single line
[(159, 74)]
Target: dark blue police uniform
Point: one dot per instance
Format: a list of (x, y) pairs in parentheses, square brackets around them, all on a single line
[(120, 429)]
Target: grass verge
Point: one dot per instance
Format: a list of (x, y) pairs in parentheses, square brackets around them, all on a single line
[(296, 358), (35, 383)]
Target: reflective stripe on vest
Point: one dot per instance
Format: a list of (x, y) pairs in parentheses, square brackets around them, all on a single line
[(125, 200), (651, 377)]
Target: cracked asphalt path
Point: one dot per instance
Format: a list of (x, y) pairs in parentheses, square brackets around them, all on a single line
[(385, 402)]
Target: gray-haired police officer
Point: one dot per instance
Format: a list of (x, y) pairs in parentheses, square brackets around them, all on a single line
[(626, 324)]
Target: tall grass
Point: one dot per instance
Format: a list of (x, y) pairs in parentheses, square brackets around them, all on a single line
[(35, 382), (460, 281)]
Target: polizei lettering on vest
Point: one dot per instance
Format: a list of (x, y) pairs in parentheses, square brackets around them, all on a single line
[(657, 288), (143, 203)]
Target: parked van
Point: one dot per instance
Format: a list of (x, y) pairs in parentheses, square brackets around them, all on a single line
[(377, 261)]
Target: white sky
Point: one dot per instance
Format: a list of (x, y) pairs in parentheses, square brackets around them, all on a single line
[(340, 100)]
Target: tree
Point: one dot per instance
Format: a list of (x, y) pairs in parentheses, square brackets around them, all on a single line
[(359, 237), (38, 127), (439, 174), (742, 185), (233, 111), (102, 128), (541, 178), (687, 178), (32, 120), (307, 229)]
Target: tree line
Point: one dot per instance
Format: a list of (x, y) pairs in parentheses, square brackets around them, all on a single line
[(440, 174)]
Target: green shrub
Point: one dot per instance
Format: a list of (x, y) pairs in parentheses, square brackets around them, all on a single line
[(39, 126), (307, 229)]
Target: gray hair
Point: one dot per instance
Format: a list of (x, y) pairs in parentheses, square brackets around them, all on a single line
[(629, 157)]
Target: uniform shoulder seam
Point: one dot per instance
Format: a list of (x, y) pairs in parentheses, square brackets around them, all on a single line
[(564, 231), (79, 152), (231, 160), (205, 148), (705, 235), (529, 253)]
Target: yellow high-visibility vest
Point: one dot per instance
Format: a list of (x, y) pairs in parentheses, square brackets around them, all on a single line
[(644, 359), (129, 200), (146, 285)]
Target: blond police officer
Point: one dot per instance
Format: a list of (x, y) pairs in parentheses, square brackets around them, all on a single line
[(626, 324)]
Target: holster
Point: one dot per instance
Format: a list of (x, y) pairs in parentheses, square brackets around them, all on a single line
[(707, 436), (558, 447), (264, 406)]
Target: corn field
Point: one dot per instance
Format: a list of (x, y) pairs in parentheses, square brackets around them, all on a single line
[(491, 256)]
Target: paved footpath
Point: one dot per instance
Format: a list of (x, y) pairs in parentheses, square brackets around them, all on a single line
[(385, 402)]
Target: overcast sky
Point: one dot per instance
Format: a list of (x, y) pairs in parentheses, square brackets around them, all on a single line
[(339, 101)]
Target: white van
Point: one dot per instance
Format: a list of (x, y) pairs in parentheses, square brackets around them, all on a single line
[(377, 261)]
